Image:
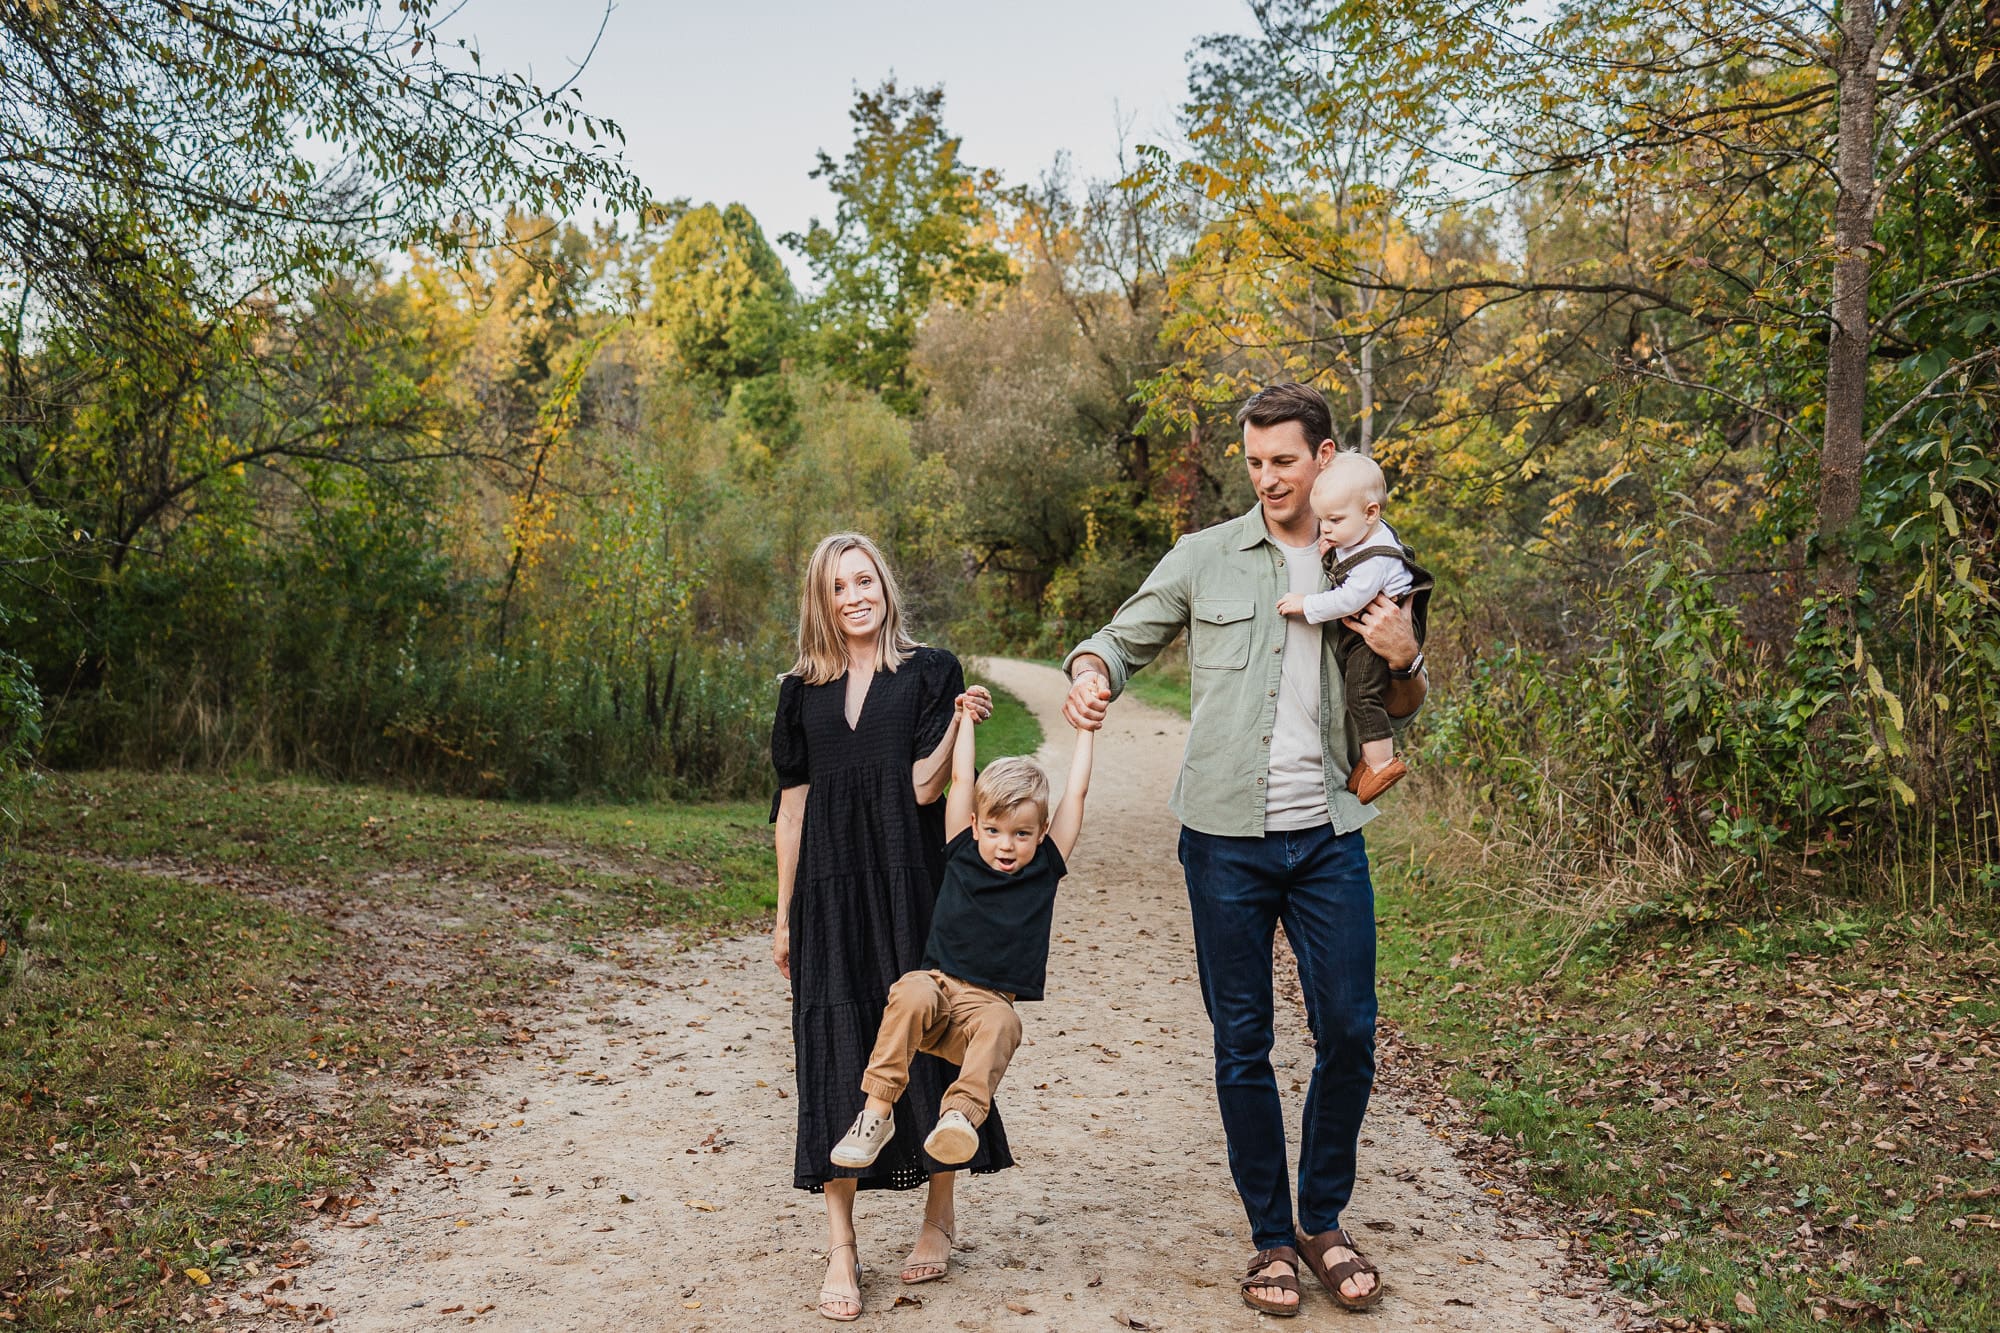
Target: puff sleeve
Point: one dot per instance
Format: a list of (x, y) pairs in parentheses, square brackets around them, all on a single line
[(941, 681), (788, 739)]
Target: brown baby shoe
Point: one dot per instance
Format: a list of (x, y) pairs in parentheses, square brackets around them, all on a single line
[(1368, 783)]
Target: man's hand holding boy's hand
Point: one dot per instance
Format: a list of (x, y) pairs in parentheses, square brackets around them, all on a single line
[(1088, 700), (1292, 604)]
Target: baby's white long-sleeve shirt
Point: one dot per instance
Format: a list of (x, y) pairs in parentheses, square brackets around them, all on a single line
[(1377, 574)]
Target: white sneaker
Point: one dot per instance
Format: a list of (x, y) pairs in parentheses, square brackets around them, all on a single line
[(865, 1140), (954, 1140)]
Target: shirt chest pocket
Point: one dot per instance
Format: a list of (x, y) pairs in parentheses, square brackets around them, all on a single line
[(1219, 637)]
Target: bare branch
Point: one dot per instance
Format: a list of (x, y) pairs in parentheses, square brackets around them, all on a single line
[(1928, 391), (1936, 137), (1923, 293)]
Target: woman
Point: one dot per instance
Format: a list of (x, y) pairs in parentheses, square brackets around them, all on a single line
[(862, 746)]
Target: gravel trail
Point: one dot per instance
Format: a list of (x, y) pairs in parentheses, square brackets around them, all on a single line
[(630, 1170)]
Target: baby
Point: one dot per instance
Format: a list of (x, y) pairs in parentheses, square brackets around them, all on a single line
[(1362, 557), (988, 948)]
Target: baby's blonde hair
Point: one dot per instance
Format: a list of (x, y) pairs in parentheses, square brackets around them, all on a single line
[(1352, 474), (1006, 784)]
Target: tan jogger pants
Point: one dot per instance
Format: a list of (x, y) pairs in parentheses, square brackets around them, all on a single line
[(971, 1026)]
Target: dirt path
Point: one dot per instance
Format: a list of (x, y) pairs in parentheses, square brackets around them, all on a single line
[(631, 1170)]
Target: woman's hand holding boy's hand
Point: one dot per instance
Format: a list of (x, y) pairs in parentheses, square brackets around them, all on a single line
[(976, 704)]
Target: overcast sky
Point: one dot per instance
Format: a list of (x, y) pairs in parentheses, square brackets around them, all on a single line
[(728, 100)]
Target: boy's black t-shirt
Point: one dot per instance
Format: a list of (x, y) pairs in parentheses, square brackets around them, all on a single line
[(992, 929)]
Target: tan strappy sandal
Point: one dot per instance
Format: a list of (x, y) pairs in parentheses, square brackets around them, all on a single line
[(1263, 1259), (1315, 1247), (942, 1268), (828, 1296)]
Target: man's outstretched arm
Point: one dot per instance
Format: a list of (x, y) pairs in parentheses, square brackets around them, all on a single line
[(1148, 622)]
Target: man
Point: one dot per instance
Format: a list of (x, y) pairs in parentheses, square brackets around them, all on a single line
[(1270, 832)]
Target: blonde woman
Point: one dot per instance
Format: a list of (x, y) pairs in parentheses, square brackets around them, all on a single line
[(862, 745)]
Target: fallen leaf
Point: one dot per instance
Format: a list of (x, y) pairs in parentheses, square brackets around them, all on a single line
[(1142, 1324), (196, 1276), (1020, 1307), (913, 1302), (701, 1205), (451, 1309), (1744, 1303)]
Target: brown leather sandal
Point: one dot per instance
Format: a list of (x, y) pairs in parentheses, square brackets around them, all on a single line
[(1315, 1247), (1277, 1254)]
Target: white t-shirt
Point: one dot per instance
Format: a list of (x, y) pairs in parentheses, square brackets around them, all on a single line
[(1295, 787), (1378, 573)]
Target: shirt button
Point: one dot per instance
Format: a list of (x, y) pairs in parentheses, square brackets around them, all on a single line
[(1279, 649), (1265, 739), (1270, 694), (1260, 782)]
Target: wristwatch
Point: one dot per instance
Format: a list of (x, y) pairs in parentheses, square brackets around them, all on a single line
[(1411, 671)]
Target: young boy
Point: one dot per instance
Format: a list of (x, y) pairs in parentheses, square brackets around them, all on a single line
[(988, 948), (1362, 557)]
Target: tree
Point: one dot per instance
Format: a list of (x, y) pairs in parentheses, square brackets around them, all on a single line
[(722, 295), (1704, 123), (911, 228), (247, 145)]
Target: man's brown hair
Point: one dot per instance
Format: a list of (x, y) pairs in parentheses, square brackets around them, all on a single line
[(1290, 402)]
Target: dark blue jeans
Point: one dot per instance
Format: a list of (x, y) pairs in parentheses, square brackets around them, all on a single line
[(1316, 882)]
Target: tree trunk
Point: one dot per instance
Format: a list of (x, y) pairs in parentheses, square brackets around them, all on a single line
[(1367, 378), (1843, 447)]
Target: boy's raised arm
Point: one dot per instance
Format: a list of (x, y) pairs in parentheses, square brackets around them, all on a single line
[(958, 802), (1068, 822)]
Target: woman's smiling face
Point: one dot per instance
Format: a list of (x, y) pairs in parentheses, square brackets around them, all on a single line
[(857, 595)]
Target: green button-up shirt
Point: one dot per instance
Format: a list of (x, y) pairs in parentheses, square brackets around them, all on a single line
[(1222, 586)]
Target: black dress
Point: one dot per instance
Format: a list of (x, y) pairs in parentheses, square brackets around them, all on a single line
[(870, 861)]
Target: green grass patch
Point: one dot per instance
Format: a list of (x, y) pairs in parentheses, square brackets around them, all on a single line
[(1011, 730), (1162, 687), (216, 999), (1767, 1123)]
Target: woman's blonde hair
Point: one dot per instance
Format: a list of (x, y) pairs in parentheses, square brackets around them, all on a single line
[(822, 645)]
